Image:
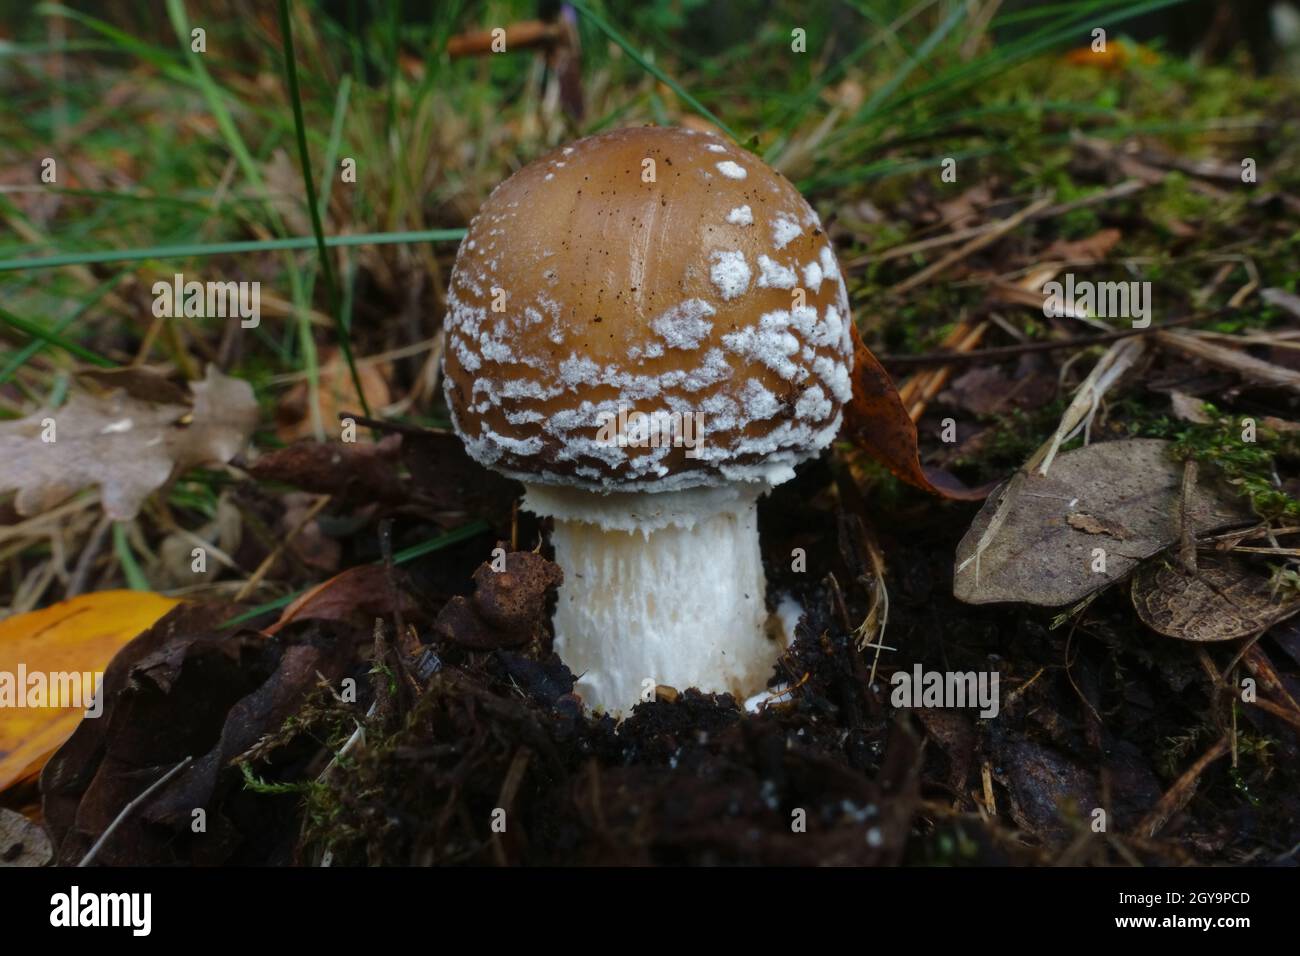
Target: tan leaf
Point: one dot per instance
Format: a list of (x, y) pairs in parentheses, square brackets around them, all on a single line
[(127, 446), (1039, 556), (338, 394), (22, 843), (1225, 599), (1092, 248)]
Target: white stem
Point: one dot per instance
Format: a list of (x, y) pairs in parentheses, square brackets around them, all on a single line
[(675, 598)]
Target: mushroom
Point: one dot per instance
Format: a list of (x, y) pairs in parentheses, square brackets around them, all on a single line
[(649, 329)]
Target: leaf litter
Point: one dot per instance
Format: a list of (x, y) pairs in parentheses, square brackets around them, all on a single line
[(128, 446), (1121, 497)]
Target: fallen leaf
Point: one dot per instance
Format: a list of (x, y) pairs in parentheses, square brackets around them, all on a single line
[(967, 208), (300, 530), (72, 637), (953, 732), (1188, 409), (1091, 524), (127, 446), (1046, 787), (1087, 250), (360, 471), (1115, 55), (1224, 600), (337, 393), (449, 480), (187, 687), (22, 843), (283, 180), (358, 594), (876, 421), (1038, 557), (136, 381)]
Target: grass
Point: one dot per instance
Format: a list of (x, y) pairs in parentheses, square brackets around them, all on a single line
[(455, 536), (189, 170)]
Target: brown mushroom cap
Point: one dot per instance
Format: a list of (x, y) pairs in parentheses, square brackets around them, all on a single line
[(677, 295)]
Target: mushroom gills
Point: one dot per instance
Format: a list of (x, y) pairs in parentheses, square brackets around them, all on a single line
[(678, 600)]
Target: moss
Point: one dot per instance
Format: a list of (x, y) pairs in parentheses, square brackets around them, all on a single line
[(1223, 445)]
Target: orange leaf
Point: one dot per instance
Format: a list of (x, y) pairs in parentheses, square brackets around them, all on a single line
[(876, 421), (337, 393), (73, 637), (1116, 56)]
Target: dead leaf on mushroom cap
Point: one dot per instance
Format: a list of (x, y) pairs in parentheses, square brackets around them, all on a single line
[(1224, 600), (1120, 496), (876, 421), (127, 446)]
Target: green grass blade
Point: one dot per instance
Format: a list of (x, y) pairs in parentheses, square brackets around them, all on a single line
[(455, 536), (313, 207), (185, 250), (24, 355), (135, 578), (53, 338), (923, 53), (650, 68)]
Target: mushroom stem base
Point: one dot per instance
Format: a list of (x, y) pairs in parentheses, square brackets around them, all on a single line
[(681, 605)]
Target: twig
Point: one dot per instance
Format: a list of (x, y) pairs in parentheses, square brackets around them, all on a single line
[(1181, 792), (523, 35), (130, 808), (1012, 351), (995, 233), (89, 555), (919, 390), (1187, 536), (1126, 188), (1245, 365), (251, 584)]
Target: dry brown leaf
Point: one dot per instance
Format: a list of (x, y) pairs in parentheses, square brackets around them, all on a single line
[(1089, 249), (1188, 409), (127, 446), (1091, 524), (1037, 556), (877, 422), (1224, 600), (22, 843), (337, 394), (359, 594)]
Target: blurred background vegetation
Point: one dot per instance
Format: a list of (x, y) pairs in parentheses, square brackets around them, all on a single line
[(172, 160)]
